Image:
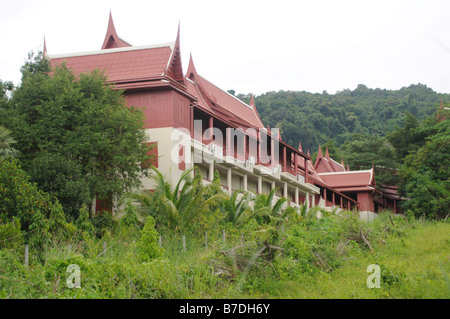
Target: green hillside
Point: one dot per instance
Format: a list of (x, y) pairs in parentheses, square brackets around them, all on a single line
[(317, 118)]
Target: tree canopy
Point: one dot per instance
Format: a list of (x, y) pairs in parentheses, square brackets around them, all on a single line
[(76, 136)]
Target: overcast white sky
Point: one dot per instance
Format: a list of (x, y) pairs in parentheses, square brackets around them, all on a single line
[(252, 46)]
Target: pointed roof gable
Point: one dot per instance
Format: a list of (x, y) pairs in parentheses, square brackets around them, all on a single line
[(223, 103), (174, 68), (325, 164), (322, 165), (327, 155), (112, 40)]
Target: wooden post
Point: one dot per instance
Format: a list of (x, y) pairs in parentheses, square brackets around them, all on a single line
[(184, 242), (26, 255)]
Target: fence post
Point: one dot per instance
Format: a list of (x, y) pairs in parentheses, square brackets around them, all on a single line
[(26, 255), (184, 242)]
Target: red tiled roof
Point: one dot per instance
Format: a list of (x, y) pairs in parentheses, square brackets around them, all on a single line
[(192, 89), (335, 165), (231, 103), (340, 180), (120, 65), (312, 172)]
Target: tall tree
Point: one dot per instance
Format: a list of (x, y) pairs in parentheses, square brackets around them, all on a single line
[(406, 138), (82, 126), (6, 144), (425, 173), (363, 152)]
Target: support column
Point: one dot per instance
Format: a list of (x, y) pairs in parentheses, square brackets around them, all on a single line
[(211, 171), (211, 127), (245, 182), (306, 171), (191, 122), (259, 184), (295, 165), (192, 164), (229, 145), (333, 198), (307, 200), (273, 185), (229, 181), (296, 195), (285, 190), (325, 196)]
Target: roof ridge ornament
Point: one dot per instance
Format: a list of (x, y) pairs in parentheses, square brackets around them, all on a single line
[(44, 52), (112, 40)]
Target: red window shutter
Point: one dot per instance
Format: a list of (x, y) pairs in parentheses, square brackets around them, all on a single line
[(153, 152), (181, 158), (103, 205)]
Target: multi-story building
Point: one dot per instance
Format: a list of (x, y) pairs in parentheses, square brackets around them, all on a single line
[(190, 121)]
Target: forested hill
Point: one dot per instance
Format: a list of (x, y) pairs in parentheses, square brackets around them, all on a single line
[(315, 118)]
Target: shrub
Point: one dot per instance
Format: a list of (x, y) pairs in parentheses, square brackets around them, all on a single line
[(148, 247), (10, 234), (19, 197)]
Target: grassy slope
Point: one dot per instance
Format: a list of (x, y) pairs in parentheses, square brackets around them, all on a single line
[(416, 265)]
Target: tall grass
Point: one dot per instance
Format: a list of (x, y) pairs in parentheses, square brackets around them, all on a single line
[(310, 258)]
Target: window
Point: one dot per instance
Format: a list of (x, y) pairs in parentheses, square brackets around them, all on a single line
[(181, 158)]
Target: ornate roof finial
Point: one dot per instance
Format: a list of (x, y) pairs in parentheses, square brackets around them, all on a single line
[(327, 155), (112, 40), (319, 153), (252, 101), (300, 146), (45, 48)]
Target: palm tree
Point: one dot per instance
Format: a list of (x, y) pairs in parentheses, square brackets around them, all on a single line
[(271, 212), (180, 203), (6, 141), (307, 213), (238, 211)]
